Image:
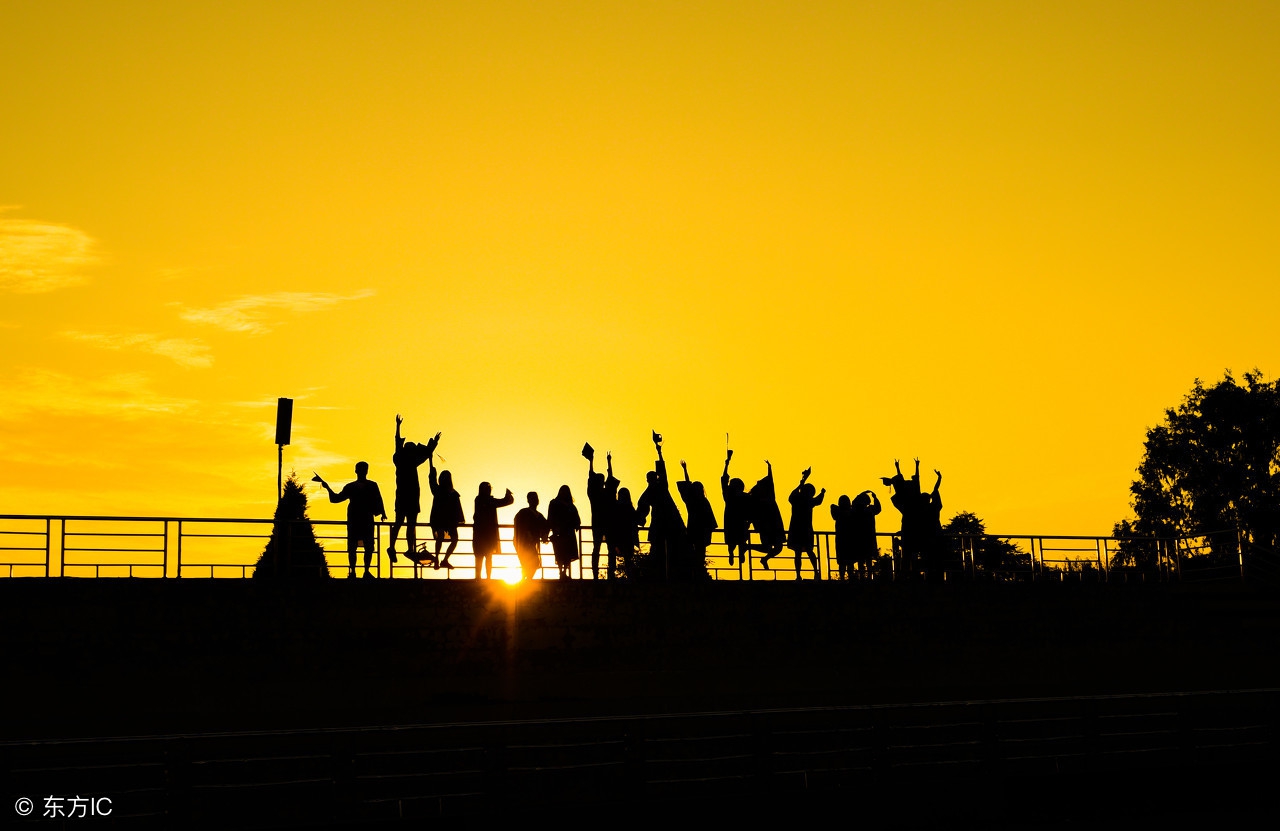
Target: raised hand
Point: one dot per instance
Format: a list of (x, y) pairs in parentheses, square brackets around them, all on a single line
[(728, 455), (399, 419), (657, 437), (805, 473)]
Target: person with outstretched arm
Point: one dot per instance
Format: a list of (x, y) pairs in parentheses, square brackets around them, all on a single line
[(407, 458), (446, 512), (602, 494), (856, 544), (484, 530), (767, 518), (737, 513), (364, 502), (702, 519), (800, 532)]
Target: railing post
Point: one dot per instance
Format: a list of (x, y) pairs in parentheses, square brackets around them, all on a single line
[(164, 568), (48, 548), (62, 547)]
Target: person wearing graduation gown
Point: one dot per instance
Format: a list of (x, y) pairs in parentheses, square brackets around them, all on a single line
[(484, 529), (800, 531), (702, 519), (737, 514), (767, 518), (563, 519)]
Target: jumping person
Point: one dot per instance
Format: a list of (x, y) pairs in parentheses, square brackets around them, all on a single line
[(737, 513), (364, 502), (906, 498), (531, 531), (446, 512), (702, 520), (767, 518), (563, 519), (800, 532), (407, 458), (484, 530)]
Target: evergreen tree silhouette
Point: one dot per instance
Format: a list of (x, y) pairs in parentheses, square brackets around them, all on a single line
[(292, 550)]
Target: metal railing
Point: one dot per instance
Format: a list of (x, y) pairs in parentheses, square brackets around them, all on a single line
[(174, 547)]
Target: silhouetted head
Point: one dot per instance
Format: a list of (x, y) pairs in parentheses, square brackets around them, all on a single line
[(446, 480), (844, 500), (596, 479), (624, 497), (533, 499), (485, 489), (808, 490), (698, 489), (565, 493), (410, 445), (362, 469), (862, 501), (651, 477), (737, 486)]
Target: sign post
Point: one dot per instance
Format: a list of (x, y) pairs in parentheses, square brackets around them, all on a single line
[(284, 424)]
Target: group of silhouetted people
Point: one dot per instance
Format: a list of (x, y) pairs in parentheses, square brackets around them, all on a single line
[(677, 549)]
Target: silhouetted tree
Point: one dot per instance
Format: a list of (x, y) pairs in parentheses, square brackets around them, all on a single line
[(990, 554), (292, 550), (1213, 465)]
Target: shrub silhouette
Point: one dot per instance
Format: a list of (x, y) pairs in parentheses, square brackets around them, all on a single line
[(292, 550)]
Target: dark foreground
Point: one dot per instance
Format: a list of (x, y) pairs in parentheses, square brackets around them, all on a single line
[(350, 702)]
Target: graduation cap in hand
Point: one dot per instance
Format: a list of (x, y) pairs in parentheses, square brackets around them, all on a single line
[(657, 437), (588, 452)]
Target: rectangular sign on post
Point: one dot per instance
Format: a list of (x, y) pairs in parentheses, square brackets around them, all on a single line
[(284, 420)]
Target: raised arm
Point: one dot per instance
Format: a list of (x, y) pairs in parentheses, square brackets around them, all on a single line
[(938, 483), (685, 467), (431, 474), (505, 501), (608, 460), (875, 503), (399, 438), (817, 500)]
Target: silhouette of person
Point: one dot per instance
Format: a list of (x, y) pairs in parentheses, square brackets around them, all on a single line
[(563, 519), (800, 531), (930, 530), (666, 530), (601, 494), (364, 502), (531, 530), (856, 544), (737, 513), (484, 530), (906, 498), (446, 512), (624, 531), (407, 458), (702, 520), (767, 518)]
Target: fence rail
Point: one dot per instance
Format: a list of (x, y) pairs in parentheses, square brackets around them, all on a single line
[(175, 547)]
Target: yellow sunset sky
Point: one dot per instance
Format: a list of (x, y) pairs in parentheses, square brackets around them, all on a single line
[(1002, 237)]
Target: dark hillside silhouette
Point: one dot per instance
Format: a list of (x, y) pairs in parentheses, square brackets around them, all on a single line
[(292, 551)]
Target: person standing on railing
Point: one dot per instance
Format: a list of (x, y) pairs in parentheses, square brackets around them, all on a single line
[(767, 518), (601, 495), (484, 530), (563, 519), (624, 531), (800, 531), (702, 520), (446, 511), (737, 513), (667, 538), (407, 458), (856, 545), (531, 531), (364, 502)]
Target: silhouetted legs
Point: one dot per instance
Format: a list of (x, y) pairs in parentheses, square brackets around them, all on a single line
[(596, 542), (440, 534), (353, 542), (410, 523)]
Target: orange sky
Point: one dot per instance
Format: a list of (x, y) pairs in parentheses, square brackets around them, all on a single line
[(1000, 236)]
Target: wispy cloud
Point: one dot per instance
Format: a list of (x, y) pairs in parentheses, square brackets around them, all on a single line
[(250, 313), (190, 353), (40, 256), (45, 392)]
